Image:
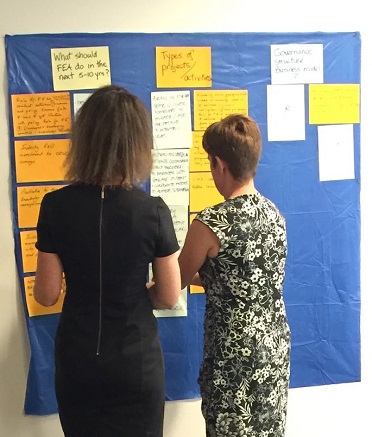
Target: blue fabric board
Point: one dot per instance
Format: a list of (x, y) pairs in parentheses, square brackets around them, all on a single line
[(322, 285)]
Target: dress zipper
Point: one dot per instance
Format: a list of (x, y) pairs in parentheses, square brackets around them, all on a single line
[(100, 272)]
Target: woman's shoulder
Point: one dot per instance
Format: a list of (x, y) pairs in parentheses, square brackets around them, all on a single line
[(270, 204), (56, 192), (147, 203), (212, 211)]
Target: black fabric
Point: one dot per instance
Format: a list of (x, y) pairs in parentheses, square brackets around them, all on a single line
[(115, 386)]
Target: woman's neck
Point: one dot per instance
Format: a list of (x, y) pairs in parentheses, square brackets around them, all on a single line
[(240, 189)]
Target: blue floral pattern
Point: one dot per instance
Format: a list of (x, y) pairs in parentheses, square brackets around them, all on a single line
[(244, 375)]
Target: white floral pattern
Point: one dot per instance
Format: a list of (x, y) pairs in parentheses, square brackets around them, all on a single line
[(244, 375)]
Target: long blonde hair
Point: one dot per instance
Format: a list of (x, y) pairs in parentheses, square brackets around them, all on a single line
[(111, 140)]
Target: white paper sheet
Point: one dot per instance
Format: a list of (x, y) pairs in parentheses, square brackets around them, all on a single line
[(285, 112), (171, 119), (336, 152), (170, 176), (296, 63)]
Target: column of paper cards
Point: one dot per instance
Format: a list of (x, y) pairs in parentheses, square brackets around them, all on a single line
[(210, 106), (335, 108), (171, 120), (41, 124), (177, 67), (38, 165)]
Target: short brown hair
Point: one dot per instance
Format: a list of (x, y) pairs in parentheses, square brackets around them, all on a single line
[(236, 139), (111, 139)]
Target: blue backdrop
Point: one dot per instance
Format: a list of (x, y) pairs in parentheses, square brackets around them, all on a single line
[(322, 285)]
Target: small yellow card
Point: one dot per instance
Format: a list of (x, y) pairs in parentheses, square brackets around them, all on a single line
[(198, 157), (213, 105), (41, 114), (29, 251), (183, 67), (28, 200), (203, 191), (334, 103), (34, 308), (40, 160), (80, 68)]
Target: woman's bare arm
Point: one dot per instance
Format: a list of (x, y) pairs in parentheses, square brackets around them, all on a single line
[(200, 243), (48, 279), (165, 288)]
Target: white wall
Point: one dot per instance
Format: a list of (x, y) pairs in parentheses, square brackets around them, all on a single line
[(327, 411)]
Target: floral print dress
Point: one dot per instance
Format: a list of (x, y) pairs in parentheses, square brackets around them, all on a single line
[(244, 375)]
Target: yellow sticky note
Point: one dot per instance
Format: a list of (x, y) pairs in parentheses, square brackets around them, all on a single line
[(29, 251), (191, 217), (183, 67), (80, 68), (213, 105), (34, 308), (40, 160), (28, 202), (334, 103), (41, 114), (203, 192), (196, 289), (198, 157)]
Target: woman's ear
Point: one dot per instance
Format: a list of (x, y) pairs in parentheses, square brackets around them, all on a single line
[(221, 165)]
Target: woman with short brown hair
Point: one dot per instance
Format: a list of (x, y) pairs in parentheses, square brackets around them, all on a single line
[(237, 251)]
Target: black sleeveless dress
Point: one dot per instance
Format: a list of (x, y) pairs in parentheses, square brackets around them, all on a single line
[(108, 358)]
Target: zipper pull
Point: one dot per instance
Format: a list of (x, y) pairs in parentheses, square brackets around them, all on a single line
[(102, 192)]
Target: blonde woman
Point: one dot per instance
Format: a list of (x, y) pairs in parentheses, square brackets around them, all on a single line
[(102, 232)]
